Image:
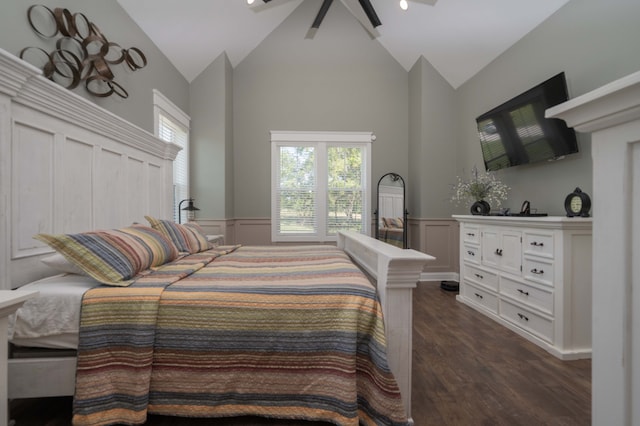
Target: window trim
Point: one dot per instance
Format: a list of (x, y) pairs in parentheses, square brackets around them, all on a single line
[(163, 106), (312, 138)]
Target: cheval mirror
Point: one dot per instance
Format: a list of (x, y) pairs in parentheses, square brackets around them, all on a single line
[(391, 214)]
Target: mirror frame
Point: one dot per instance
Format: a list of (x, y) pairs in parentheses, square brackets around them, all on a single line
[(405, 212)]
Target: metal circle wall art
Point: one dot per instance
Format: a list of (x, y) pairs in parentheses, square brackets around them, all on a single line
[(82, 53)]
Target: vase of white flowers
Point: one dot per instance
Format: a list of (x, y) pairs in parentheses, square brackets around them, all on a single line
[(483, 190)]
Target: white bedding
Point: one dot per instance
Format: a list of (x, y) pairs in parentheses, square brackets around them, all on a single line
[(52, 319)]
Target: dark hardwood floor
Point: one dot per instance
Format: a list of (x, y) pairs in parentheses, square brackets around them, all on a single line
[(467, 370)]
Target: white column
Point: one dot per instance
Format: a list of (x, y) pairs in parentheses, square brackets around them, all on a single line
[(612, 114)]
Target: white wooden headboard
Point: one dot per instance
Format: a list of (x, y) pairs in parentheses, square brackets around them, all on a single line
[(67, 165)]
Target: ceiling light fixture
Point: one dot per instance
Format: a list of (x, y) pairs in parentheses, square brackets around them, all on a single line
[(250, 1), (404, 5)]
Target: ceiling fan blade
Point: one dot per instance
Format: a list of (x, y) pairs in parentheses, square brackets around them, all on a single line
[(321, 13), (370, 12), (429, 2), (258, 6), (356, 10)]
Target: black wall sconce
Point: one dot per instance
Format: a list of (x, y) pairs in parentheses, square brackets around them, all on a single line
[(190, 208)]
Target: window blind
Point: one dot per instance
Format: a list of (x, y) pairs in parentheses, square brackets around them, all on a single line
[(319, 187), (345, 189), (296, 190), (171, 131)]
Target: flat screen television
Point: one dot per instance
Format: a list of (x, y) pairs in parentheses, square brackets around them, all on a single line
[(517, 132)]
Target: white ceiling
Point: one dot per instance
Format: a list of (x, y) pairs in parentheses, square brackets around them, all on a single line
[(458, 37)]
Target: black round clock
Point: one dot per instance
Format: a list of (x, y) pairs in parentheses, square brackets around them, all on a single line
[(577, 203)]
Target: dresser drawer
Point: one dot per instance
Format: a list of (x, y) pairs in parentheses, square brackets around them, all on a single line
[(471, 234), (538, 244), (541, 299), (535, 324), (479, 276), (538, 271), (471, 254), (481, 297)]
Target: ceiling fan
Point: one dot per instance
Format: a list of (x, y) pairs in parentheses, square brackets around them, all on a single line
[(363, 11)]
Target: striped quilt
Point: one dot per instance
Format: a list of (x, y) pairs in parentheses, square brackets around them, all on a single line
[(283, 332)]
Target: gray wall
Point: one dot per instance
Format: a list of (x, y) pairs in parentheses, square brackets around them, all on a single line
[(593, 42), (340, 80), (432, 129), (117, 26), (211, 97)]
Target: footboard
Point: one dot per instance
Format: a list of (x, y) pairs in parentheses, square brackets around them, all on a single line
[(396, 273)]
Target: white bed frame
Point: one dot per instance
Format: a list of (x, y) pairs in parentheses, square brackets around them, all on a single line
[(67, 165), (396, 273)]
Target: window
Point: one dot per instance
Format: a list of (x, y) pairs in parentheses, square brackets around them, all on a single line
[(320, 184), (172, 125)]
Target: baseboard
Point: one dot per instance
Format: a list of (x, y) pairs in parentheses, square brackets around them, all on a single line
[(439, 276)]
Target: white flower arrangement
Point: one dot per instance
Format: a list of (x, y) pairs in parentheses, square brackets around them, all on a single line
[(482, 187)]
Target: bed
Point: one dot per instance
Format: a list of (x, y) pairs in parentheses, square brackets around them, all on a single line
[(287, 332), (88, 157)]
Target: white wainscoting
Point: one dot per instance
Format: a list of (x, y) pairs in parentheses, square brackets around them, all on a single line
[(439, 238), (248, 232)]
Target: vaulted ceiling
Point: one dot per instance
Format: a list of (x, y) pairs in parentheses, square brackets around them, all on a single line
[(458, 37)]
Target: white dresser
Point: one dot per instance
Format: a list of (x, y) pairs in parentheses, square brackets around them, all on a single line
[(533, 275)]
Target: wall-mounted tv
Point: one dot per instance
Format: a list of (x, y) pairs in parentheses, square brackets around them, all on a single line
[(517, 132)]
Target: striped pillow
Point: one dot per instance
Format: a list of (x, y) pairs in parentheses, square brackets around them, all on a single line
[(114, 256), (188, 237)]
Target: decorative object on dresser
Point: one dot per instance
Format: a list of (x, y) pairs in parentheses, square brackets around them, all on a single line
[(82, 53), (483, 189), (533, 275), (577, 203)]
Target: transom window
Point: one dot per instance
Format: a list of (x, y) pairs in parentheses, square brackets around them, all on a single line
[(320, 184)]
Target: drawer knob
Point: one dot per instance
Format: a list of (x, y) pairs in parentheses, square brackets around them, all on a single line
[(526, 293), (470, 234), (523, 317), (479, 276), (479, 296), (499, 252), (537, 271), (537, 244)]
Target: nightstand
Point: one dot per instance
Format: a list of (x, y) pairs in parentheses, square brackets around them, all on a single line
[(10, 301), (216, 240)]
